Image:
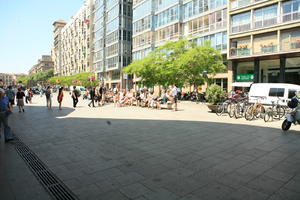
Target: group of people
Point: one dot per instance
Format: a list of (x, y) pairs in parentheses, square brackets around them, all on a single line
[(122, 97)]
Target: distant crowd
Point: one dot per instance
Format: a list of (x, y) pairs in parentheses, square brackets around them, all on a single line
[(97, 96)]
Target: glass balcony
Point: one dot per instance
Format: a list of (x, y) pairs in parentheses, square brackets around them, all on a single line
[(295, 45), (240, 28), (265, 23), (290, 16), (234, 4), (268, 49), (239, 3), (239, 51)]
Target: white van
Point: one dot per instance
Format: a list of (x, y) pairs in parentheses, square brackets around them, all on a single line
[(266, 93), (80, 88)]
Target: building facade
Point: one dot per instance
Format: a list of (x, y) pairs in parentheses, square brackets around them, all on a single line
[(73, 41), (264, 38), (157, 21), (56, 51), (44, 64), (113, 40), (9, 79)]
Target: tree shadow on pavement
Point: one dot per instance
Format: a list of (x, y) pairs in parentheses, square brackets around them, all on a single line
[(161, 159)]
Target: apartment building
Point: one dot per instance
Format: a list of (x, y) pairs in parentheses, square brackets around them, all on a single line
[(158, 21), (44, 64), (113, 40), (264, 40), (73, 41), (56, 51), (9, 79)]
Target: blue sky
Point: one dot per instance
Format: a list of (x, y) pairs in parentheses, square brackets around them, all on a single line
[(26, 31)]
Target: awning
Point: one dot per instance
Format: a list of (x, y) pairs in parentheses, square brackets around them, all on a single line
[(241, 84)]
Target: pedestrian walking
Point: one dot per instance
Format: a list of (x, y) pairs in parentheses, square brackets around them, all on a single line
[(30, 96), (48, 94), (5, 111), (26, 95), (10, 93), (75, 95), (92, 96), (60, 96), (174, 92), (20, 100)]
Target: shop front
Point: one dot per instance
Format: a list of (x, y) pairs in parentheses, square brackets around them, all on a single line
[(275, 69)]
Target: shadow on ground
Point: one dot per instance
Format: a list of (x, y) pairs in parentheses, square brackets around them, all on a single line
[(163, 159)]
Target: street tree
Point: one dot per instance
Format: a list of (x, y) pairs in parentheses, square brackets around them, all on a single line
[(159, 67), (199, 63)]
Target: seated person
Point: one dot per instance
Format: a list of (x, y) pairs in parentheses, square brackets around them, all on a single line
[(163, 97), (154, 101)]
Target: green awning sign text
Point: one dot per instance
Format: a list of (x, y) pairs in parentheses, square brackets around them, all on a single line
[(245, 77)]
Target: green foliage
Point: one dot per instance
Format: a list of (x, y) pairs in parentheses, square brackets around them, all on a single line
[(35, 78), (181, 62), (80, 79), (214, 94), (23, 79)]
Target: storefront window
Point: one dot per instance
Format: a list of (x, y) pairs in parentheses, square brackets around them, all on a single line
[(269, 71), (245, 69), (292, 70)]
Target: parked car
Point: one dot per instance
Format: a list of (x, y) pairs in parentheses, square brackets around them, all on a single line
[(272, 92)]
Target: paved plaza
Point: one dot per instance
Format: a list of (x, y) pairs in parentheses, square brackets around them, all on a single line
[(143, 154)]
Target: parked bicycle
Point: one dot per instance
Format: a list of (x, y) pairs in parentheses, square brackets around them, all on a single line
[(255, 111), (276, 111)]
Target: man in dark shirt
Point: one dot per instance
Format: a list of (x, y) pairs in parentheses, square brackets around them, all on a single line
[(75, 95), (92, 95)]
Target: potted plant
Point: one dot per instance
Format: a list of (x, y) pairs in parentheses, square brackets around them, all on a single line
[(214, 95)]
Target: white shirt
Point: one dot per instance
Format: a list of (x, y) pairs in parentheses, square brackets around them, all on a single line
[(174, 91)]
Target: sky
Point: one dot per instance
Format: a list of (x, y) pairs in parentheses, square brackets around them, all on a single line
[(26, 31)]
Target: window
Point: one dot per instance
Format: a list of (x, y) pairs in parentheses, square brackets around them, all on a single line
[(291, 10), (142, 10), (291, 93), (167, 16), (265, 16), (114, 24), (276, 92), (240, 22), (113, 13)]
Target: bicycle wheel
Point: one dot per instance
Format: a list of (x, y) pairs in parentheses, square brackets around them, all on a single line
[(231, 110), (280, 112), (249, 113), (261, 111), (237, 111), (268, 115), (220, 109)]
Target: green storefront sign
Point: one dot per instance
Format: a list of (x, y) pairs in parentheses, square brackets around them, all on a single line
[(245, 77)]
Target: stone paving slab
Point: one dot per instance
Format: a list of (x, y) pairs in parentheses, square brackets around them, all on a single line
[(16, 180), (138, 153)]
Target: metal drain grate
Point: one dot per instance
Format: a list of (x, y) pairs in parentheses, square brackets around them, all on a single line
[(50, 182)]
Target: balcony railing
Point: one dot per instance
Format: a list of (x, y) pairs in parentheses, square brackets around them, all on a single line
[(241, 28), (295, 45), (268, 49), (241, 3), (239, 51), (290, 16), (266, 22)]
